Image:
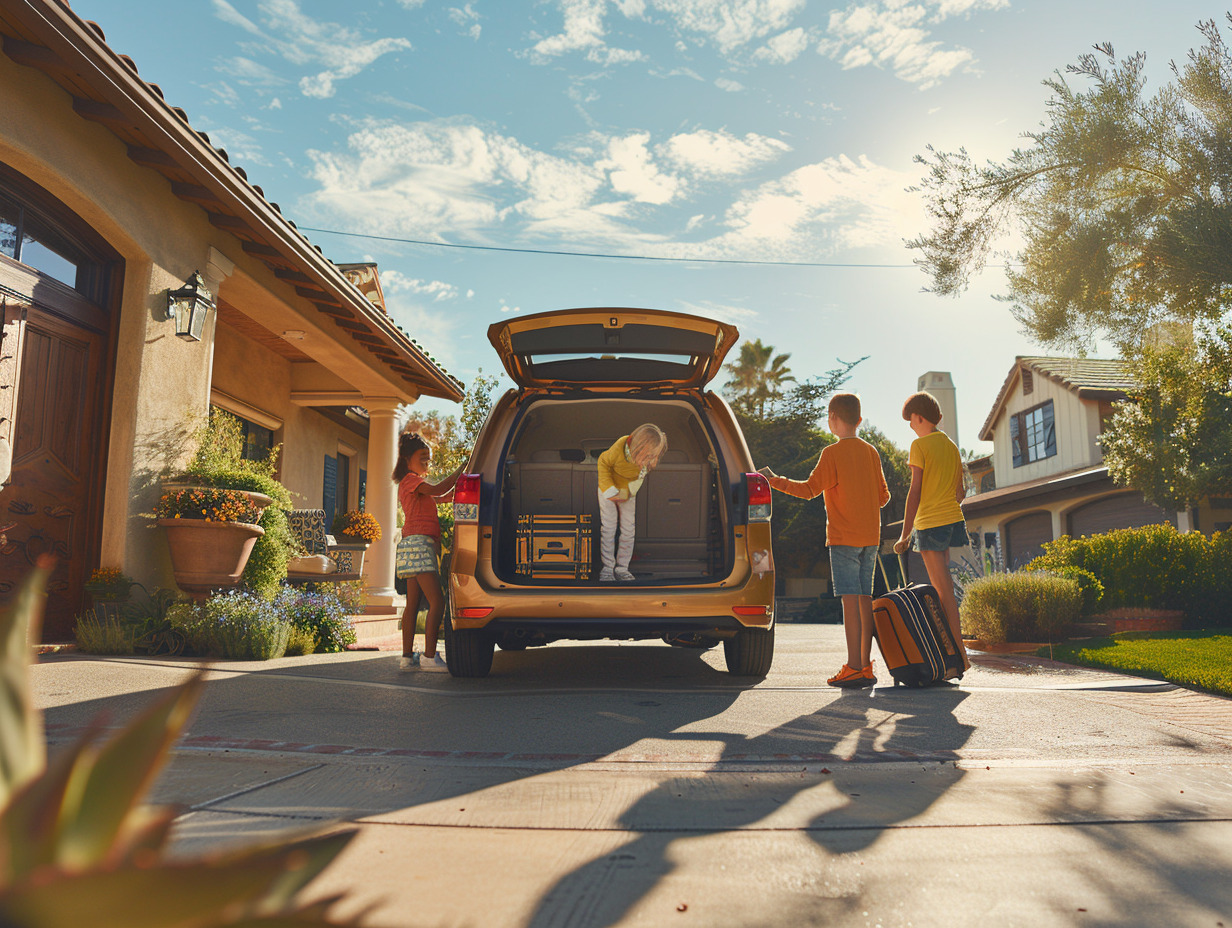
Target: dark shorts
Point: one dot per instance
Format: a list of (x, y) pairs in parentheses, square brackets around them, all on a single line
[(941, 537)]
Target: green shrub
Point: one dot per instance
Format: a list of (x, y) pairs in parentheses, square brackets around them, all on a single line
[(1155, 567), (236, 625), (1022, 606), (319, 611), (1092, 589), (301, 641), (108, 635)]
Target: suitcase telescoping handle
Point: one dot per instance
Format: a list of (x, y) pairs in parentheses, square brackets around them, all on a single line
[(902, 566)]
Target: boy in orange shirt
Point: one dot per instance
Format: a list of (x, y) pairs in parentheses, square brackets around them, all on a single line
[(850, 477)]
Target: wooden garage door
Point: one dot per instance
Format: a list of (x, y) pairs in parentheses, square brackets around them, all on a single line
[(1025, 537), (1124, 510)]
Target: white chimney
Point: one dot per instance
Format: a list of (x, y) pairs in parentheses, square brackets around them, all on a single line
[(941, 385)]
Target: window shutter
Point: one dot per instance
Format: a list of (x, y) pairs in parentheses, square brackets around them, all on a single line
[(1050, 432), (1015, 441), (329, 489)]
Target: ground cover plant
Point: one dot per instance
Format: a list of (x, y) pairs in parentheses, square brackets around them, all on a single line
[(1198, 659), (319, 612), (236, 625)]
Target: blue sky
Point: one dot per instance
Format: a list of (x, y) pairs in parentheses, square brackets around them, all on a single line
[(739, 130)]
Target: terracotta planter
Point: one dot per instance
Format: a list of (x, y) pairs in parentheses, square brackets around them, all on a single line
[(260, 500), (208, 556)]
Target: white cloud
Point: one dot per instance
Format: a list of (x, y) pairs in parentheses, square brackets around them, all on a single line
[(784, 48), (730, 24), (632, 170), (583, 30), (821, 208), (896, 34), (275, 104), (446, 180), (436, 290), (467, 19), (339, 51), (729, 85), (718, 154)]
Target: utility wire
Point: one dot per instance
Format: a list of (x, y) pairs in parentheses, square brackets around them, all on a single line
[(596, 254)]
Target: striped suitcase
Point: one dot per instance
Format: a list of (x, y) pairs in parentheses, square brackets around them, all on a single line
[(913, 635), (557, 547)]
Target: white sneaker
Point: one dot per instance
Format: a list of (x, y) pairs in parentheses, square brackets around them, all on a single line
[(409, 663), (624, 575), (436, 663), (606, 575)]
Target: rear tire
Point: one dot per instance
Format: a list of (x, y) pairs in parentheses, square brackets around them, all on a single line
[(750, 653), (468, 651)]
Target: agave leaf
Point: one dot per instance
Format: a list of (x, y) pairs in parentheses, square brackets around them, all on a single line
[(103, 793), (309, 857), (144, 835), (22, 753), (29, 823), (197, 893)]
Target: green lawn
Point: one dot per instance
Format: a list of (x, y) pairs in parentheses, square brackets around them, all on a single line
[(1198, 659)]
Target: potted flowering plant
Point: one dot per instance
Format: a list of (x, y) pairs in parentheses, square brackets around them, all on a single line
[(357, 526), (109, 585), (354, 531), (211, 532)]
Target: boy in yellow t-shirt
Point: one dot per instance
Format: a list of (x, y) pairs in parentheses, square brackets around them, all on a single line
[(934, 502), (849, 476)]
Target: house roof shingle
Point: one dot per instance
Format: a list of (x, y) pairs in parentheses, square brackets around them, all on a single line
[(1089, 378)]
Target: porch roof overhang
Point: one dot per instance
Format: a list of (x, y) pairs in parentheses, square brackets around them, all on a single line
[(106, 89), (1054, 487)]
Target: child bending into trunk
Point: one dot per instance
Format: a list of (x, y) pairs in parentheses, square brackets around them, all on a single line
[(622, 468)]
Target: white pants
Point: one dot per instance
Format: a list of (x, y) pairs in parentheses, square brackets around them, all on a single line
[(611, 511)]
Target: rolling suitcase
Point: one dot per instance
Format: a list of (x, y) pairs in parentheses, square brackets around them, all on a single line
[(554, 547), (914, 638)]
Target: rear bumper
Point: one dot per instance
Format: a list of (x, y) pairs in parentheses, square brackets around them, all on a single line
[(552, 627)]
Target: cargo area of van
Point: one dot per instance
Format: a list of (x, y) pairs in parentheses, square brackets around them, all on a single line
[(551, 469)]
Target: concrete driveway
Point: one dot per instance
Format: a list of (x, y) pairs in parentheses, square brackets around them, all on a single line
[(637, 784)]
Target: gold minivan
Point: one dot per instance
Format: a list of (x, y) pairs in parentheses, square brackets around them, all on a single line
[(702, 561)]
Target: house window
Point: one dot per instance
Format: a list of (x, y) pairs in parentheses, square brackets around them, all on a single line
[(26, 237), (1028, 382), (1033, 434), (258, 440)]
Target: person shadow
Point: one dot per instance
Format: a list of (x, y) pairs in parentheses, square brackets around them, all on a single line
[(854, 765)]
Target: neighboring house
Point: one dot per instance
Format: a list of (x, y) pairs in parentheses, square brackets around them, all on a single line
[(1048, 477), (109, 199)]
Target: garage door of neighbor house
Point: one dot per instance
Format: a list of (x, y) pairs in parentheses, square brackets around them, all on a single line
[(1124, 510), (1025, 537)]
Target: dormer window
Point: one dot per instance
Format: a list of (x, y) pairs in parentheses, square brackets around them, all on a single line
[(1033, 434)]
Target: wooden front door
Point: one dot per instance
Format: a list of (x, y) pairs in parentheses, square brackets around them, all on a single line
[(48, 505)]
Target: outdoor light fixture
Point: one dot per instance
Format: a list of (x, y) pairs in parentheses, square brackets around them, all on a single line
[(188, 306)]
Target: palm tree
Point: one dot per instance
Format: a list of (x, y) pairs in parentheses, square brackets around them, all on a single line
[(757, 377)]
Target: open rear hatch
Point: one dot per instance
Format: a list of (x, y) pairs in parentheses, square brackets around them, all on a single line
[(612, 349)]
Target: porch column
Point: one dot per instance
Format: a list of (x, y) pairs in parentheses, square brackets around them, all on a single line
[(1184, 521), (382, 499)]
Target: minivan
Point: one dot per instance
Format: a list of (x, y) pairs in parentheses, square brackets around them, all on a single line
[(702, 561)]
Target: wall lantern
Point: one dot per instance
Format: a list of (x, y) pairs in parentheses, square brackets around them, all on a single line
[(188, 306)]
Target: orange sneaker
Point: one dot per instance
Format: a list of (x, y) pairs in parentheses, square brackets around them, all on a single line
[(854, 679)]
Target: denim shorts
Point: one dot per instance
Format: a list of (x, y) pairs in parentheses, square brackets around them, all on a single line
[(941, 537), (851, 569)]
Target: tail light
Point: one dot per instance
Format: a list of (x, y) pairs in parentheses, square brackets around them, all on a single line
[(760, 504), (466, 498)]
